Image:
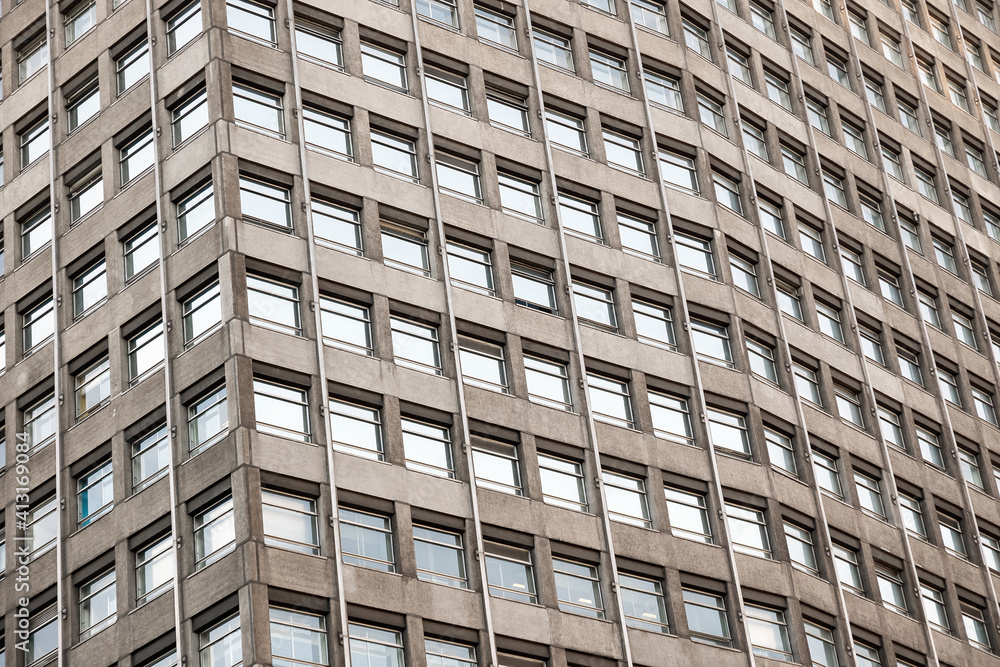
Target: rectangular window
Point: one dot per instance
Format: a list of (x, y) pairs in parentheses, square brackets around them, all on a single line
[(92, 388), (822, 645), (496, 466), (548, 383), (671, 418), (506, 111), (912, 515), (610, 400), (794, 163), (136, 157), (817, 114), (208, 420), (934, 608), (273, 305), (405, 248), (626, 499), (771, 217), (969, 462), (930, 447), (654, 324), (319, 43), (609, 70), (769, 633), (41, 527), (202, 313), (195, 212), (366, 539), (644, 603), (688, 514), (40, 423), (827, 472), (298, 639), (223, 643), (183, 27), (553, 50), (34, 143), (90, 288), (812, 242), (534, 288), (346, 326), (141, 251), (802, 45), (496, 28), (869, 494), (509, 573), (801, 549), (519, 197), (695, 254), (712, 114), (777, 91), (483, 364), (189, 117), (707, 618), (755, 141), (251, 19), (150, 458), (727, 193), (370, 645), (290, 522), (761, 359), (951, 535), (696, 39), (663, 91), (395, 156), (132, 67), (447, 90), (428, 448), (440, 11), (31, 58), (214, 533), (711, 343), (780, 450), (459, 178), (327, 133), (748, 531), (98, 605), (154, 569), (846, 563), (38, 325), (623, 151), (281, 410), (566, 131), (440, 556), (595, 305), (890, 588), (578, 588), (638, 236), (679, 171), (337, 227), (356, 429), (650, 14), (83, 105), (744, 274), (807, 384), (563, 484), (973, 619), (95, 494), (416, 345)]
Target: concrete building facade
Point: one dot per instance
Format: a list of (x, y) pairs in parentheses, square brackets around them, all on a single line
[(501, 333)]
